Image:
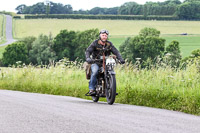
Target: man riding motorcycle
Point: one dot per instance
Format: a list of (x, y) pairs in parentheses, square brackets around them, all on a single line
[(96, 50)]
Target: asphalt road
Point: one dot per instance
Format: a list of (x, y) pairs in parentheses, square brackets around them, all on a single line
[(22, 112), (9, 36)]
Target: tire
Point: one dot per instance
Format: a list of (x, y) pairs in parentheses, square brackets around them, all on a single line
[(95, 98), (111, 90)]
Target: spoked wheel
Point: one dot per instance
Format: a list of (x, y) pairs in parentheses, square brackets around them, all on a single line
[(111, 89)]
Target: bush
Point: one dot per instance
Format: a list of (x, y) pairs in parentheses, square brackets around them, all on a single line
[(173, 54), (28, 41), (83, 40), (144, 47), (72, 45), (195, 55), (17, 17), (64, 45), (15, 52), (189, 10), (41, 52)]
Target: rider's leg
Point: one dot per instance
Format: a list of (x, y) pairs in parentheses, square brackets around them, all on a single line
[(93, 78)]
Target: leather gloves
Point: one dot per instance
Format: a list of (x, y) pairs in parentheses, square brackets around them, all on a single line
[(122, 61)]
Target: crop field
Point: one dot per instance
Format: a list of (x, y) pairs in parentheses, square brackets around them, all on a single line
[(33, 27), (2, 26), (119, 29)]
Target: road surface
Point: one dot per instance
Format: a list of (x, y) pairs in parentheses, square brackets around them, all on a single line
[(9, 36), (22, 112)]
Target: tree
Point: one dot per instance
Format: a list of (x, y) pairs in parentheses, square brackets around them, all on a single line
[(58, 8), (81, 11), (195, 53), (20, 8), (149, 32), (64, 45), (68, 9), (173, 54), (146, 46), (168, 7), (38, 8), (193, 58), (113, 11), (41, 8), (28, 41), (84, 39), (41, 52), (189, 10), (190, 0), (97, 10), (48, 8), (15, 52), (130, 8)]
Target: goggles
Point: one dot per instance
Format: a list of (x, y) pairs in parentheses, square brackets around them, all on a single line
[(104, 31)]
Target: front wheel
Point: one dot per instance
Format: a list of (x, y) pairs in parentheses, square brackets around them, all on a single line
[(111, 89)]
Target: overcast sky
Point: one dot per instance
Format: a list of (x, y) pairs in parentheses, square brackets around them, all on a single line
[(10, 5)]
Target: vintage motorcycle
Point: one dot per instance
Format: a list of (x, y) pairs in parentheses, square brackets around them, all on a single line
[(106, 82)]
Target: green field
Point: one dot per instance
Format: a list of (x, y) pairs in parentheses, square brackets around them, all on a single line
[(2, 29), (2, 39), (119, 29), (33, 27), (1, 25), (187, 43)]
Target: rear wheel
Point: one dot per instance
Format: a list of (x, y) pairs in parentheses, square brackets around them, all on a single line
[(111, 89)]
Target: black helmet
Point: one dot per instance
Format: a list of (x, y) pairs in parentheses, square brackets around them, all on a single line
[(104, 31)]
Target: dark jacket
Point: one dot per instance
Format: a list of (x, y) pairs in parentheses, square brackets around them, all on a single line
[(95, 49)]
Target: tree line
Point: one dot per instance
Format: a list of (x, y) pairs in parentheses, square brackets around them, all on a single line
[(44, 49), (146, 49), (188, 9)]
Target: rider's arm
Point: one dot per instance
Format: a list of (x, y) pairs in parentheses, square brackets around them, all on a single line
[(116, 52), (89, 50)]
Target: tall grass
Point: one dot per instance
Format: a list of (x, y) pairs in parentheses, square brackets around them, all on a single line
[(160, 86)]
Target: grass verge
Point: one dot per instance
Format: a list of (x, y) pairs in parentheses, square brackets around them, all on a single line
[(159, 87)]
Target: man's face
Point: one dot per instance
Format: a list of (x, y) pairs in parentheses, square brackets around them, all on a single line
[(104, 36)]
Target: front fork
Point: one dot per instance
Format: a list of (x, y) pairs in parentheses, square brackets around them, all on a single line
[(110, 71)]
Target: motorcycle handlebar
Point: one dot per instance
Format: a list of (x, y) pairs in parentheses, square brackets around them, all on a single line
[(99, 60)]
